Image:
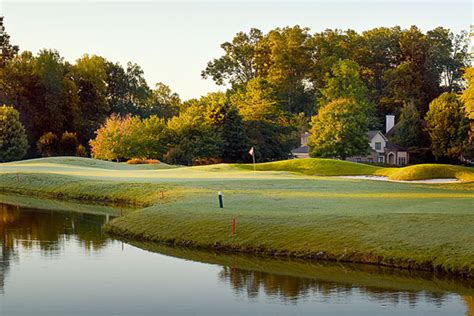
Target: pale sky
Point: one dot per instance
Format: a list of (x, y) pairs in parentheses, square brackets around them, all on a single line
[(173, 41)]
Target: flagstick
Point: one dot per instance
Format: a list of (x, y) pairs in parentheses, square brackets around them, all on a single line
[(253, 157)]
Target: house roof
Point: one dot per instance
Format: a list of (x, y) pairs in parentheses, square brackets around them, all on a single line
[(390, 132), (394, 147), (300, 150), (371, 134)]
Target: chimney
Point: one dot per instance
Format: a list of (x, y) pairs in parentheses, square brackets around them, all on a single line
[(389, 122), (304, 139)]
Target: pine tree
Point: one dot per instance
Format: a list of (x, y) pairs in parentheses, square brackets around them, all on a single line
[(409, 131), (7, 51), (13, 142), (234, 136)]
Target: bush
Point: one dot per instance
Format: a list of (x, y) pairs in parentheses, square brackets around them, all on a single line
[(81, 151), (48, 144), (68, 144), (178, 156), (123, 138), (13, 142), (137, 161), (207, 161)]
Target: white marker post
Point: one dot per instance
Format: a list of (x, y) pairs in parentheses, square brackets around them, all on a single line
[(221, 204)]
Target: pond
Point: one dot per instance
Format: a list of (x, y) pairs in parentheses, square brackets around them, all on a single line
[(61, 263)]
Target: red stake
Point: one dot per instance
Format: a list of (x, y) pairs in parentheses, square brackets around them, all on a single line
[(162, 195), (234, 226)]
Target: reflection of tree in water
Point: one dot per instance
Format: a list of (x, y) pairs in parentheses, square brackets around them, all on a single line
[(47, 231), (291, 289)]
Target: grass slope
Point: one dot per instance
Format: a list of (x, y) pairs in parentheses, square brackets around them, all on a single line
[(316, 167), (429, 171), (281, 213), (330, 167), (87, 162)]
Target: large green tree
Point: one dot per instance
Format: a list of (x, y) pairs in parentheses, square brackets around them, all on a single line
[(152, 138), (192, 137), (270, 130), (13, 142), (447, 126), (162, 102), (90, 75), (345, 82), (289, 51), (127, 90), (409, 129), (257, 101), (339, 130), (228, 123), (242, 60)]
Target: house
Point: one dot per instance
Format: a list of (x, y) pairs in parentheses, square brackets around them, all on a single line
[(381, 149), (303, 150)]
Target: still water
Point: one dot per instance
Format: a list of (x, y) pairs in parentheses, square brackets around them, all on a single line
[(61, 263)]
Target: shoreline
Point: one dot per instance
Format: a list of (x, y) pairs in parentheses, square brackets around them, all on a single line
[(372, 259), (352, 258)]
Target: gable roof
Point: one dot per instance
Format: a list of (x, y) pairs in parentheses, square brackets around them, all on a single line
[(371, 134)]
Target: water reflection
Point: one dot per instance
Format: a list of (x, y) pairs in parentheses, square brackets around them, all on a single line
[(291, 289), (292, 281), (47, 231), (253, 279)]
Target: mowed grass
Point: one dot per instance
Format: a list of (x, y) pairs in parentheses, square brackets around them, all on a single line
[(285, 212), (88, 163), (330, 167), (429, 171), (318, 167)]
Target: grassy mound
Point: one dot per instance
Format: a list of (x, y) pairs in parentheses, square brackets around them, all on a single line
[(62, 187), (87, 162), (331, 167), (429, 171), (316, 167)]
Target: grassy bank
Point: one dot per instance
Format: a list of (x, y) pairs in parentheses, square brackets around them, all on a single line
[(284, 211)]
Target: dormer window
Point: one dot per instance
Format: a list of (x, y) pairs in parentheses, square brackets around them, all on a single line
[(378, 146)]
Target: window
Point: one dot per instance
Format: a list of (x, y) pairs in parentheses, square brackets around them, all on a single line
[(380, 159), (358, 160), (370, 160), (378, 146), (402, 161)]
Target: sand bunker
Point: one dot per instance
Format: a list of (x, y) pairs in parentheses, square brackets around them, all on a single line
[(381, 178)]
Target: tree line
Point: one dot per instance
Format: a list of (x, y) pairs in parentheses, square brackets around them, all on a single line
[(279, 84)]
